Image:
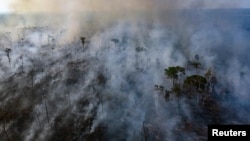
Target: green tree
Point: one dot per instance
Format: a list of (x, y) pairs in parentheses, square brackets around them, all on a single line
[(195, 84), (195, 81), (173, 73)]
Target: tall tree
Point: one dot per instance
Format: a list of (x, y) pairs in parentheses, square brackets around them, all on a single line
[(195, 81), (173, 73), (8, 50), (195, 84)]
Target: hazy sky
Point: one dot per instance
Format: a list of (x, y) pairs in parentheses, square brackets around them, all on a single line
[(7, 6)]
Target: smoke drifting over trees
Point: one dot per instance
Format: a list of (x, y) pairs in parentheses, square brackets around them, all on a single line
[(125, 76)]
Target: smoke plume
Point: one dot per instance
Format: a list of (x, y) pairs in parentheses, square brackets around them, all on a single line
[(86, 69)]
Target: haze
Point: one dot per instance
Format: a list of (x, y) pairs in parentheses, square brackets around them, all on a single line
[(28, 6)]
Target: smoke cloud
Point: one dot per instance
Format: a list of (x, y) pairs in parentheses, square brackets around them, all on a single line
[(65, 90), (76, 16), (119, 5)]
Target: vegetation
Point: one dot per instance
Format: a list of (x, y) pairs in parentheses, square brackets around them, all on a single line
[(8, 50), (174, 72), (76, 120), (83, 40), (195, 81)]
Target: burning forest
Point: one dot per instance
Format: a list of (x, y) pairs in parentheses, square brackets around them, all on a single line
[(129, 74)]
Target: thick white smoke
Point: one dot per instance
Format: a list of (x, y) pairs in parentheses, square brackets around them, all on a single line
[(60, 86)]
